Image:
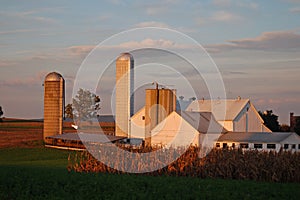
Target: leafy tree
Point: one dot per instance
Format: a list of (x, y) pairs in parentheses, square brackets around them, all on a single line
[(270, 120), (297, 126), (285, 128), (1, 113), (69, 111), (85, 106)]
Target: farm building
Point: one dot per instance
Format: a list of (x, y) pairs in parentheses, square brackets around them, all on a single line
[(240, 114), (293, 121), (260, 141), (77, 141), (186, 128)]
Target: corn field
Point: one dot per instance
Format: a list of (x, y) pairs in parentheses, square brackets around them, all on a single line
[(282, 166)]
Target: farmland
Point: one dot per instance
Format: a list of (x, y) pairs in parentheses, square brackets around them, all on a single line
[(30, 171)]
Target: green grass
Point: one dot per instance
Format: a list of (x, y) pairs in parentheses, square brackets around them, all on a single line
[(41, 173), (35, 157)]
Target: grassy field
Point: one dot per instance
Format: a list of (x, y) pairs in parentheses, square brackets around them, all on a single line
[(36, 173)]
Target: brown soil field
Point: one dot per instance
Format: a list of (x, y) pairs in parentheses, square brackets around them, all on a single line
[(29, 133), (20, 133)]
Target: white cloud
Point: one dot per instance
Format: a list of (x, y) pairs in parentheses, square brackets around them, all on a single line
[(16, 31), (219, 16), (26, 17), (36, 79), (250, 5), (225, 16), (156, 10), (80, 50), (149, 43), (152, 24), (222, 3), (295, 10), (146, 43), (266, 41), (236, 3)]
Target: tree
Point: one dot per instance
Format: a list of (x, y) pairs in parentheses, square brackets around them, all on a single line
[(1, 113), (85, 106), (297, 126), (270, 120), (69, 111), (285, 128)]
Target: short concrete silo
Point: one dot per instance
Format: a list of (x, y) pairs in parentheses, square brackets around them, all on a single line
[(54, 99)]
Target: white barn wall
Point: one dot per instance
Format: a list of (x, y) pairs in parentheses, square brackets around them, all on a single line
[(249, 121), (137, 124), (228, 125), (174, 131), (255, 122)]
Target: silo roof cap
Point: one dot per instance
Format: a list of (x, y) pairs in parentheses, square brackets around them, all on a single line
[(125, 56), (53, 76)]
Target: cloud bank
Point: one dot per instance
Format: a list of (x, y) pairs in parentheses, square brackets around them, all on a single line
[(266, 41)]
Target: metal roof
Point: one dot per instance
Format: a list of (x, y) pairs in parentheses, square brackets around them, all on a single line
[(87, 137), (263, 137), (232, 107), (106, 118), (125, 56), (53, 76), (203, 122)]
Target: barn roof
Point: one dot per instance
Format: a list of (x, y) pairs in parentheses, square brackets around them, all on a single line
[(106, 118), (232, 107), (263, 137), (86, 137), (202, 121)]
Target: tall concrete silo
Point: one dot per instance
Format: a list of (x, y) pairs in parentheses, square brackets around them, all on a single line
[(124, 93), (158, 105), (54, 100)]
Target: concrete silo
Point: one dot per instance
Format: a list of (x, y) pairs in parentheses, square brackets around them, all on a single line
[(158, 105), (124, 93), (54, 100)]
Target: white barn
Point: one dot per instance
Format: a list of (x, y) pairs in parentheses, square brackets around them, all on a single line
[(179, 129), (241, 115)]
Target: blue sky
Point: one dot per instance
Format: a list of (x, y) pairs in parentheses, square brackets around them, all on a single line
[(255, 44)]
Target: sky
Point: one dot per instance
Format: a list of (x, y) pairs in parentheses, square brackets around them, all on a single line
[(255, 45)]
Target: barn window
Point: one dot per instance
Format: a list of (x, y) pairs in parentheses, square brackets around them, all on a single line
[(271, 146), (293, 146), (258, 146), (244, 145), (233, 145), (218, 145), (143, 117), (224, 145), (286, 146)]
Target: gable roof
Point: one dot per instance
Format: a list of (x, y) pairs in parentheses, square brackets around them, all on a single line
[(264, 137), (232, 107), (203, 122)]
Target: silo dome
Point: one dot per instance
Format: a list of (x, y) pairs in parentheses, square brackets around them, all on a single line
[(125, 56), (53, 76)]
